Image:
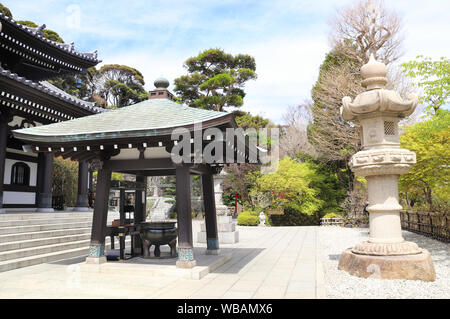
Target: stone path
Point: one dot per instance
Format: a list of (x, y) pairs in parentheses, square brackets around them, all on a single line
[(271, 262)]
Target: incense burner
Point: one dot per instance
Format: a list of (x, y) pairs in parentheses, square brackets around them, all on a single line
[(158, 233)]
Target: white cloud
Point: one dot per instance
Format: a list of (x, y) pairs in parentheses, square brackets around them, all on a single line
[(287, 38)]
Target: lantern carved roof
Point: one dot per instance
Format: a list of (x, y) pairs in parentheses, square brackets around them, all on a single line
[(376, 99)]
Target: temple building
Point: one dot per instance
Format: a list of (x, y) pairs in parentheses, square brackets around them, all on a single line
[(27, 61)]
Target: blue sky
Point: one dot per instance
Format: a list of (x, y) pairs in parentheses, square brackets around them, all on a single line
[(288, 39)]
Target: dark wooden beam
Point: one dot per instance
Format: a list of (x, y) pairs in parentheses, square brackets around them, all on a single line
[(184, 218), (79, 155), (212, 240), (98, 231), (158, 172), (127, 165)]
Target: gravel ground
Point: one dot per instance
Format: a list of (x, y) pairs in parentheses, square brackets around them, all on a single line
[(339, 284)]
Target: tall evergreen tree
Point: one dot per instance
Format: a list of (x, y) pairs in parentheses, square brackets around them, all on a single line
[(215, 79)]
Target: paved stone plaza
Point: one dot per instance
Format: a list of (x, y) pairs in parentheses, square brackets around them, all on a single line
[(270, 262)]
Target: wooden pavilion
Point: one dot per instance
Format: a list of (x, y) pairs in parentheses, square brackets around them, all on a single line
[(138, 140)]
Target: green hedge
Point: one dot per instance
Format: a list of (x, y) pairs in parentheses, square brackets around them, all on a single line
[(248, 218), (331, 215), (295, 218)]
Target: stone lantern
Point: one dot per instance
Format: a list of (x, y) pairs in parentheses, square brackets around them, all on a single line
[(221, 209), (386, 254)]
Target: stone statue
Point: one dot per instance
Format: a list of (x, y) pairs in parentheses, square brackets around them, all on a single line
[(381, 162), (262, 219)]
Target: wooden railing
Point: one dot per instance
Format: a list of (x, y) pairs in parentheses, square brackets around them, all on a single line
[(435, 225), (332, 221)]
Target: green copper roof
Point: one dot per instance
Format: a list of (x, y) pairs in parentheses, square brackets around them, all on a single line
[(152, 117)]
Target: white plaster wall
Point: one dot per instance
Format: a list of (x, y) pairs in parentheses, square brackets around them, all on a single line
[(8, 166), (21, 198)]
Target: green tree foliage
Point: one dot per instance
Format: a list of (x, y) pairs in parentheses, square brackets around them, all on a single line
[(79, 85), (245, 120), (240, 179), (65, 180), (290, 187), (434, 78), (336, 140), (114, 177), (49, 34), (331, 191), (111, 86), (119, 85), (5, 11), (215, 79), (427, 184)]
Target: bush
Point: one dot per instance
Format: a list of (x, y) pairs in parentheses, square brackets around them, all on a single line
[(248, 218), (65, 180), (331, 215), (292, 217)]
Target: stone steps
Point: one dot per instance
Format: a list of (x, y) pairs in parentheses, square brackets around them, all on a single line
[(43, 234), (41, 250), (34, 238), (36, 228), (42, 221), (47, 257), (27, 216), (161, 209), (22, 244)]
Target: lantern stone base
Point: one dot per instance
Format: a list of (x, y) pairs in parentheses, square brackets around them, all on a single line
[(410, 267)]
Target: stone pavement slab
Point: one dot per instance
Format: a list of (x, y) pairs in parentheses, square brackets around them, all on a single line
[(268, 262)]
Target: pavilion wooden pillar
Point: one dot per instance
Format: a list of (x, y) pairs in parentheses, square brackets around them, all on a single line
[(98, 232), (139, 210), (44, 183), (82, 196), (90, 192), (4, 119), (121, 224), (212, 240), (184, 218)]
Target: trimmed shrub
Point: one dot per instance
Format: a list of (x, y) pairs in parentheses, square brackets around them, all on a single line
[(292, 217), (331, 215), (248, 218)]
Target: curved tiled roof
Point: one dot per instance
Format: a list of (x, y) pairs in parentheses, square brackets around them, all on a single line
[(52, 90), (154, 117), (68, 48)]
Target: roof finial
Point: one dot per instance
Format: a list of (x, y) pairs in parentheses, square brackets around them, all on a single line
[(161, 83), (374, 74)]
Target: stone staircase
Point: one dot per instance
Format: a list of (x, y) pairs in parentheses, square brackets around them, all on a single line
[(35, 238), (160, 210)]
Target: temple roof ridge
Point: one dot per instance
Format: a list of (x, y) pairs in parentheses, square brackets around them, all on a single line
[(52, 90), (38, 34)]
